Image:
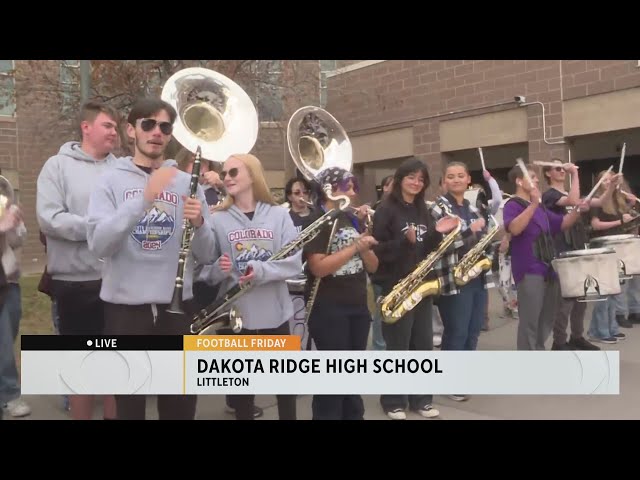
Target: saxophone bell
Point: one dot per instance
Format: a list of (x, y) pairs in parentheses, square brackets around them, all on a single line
[(475, 262)]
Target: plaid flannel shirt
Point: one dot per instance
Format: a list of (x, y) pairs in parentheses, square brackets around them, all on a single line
[(444, 267)]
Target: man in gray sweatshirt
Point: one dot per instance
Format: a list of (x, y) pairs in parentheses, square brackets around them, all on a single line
[(64, 185), (135, 221)]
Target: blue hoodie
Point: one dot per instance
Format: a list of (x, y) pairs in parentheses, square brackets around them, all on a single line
[(64, 186), (251, 243), (139, 240)]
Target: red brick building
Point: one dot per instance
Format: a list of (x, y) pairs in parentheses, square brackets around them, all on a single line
[(443, 110)]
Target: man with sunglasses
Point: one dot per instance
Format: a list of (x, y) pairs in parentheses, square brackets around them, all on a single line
[(63, 189), (135, 222), (559, 201)]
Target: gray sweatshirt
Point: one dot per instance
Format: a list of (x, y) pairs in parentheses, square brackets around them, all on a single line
[(64, 186), (140, 241), (251, 243)]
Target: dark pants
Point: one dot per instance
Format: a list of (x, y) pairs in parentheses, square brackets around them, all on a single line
[(243, 404), (462, 316), (80, 309), (204, 294), (339, 327), (139, 320), (569, 311), (414, 331)]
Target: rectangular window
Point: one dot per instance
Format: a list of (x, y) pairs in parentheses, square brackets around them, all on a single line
[(7, 89), (270, 91), (69, 84)]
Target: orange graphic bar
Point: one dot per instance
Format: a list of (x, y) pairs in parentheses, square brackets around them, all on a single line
[(242, 342)]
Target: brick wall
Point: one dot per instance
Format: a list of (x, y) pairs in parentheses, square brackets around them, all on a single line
[(421, 93), (590, 77)]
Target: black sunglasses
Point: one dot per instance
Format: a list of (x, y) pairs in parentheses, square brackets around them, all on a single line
[(558, 169), (148, 124), (233, 173)]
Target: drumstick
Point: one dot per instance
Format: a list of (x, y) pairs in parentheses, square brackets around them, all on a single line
[(482, 158), (595, 189), (624, 148), (525, 172), (569, 150), (629, 195)]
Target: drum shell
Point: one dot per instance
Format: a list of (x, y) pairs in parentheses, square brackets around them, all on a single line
[(627, 249), (575, 267)]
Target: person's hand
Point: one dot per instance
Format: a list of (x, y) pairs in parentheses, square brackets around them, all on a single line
[(570, 168), (411, 234), (248, 276), (365, 243), (584, 205), (158, 181), (447, 224), (504, 245), (193, 211), (362, 211), (478, 225), (486, 175), (225, 263), (212, 178), (626, 217), (535, 196)]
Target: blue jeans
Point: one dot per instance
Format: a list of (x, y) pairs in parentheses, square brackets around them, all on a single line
[(9, 326), (603, 319), (463, 316), (377, 340), (629, 301)]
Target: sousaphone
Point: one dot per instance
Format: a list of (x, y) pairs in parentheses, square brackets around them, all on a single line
[(214, 113), (317, 141)]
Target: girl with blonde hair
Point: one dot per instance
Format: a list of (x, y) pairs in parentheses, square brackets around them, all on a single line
[(613, 212), (250, 227)]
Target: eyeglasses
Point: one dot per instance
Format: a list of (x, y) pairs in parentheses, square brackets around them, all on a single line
[(233, 173), (559, 169), (148, 124)]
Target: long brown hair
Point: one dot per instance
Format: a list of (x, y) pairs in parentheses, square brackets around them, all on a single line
[(261, 192), (617, 203)]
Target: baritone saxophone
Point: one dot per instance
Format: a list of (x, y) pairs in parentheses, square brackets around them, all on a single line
[(413, 288)]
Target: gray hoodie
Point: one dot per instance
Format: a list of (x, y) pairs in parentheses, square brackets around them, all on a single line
[(64, 186), (140, 241), (251, 243)]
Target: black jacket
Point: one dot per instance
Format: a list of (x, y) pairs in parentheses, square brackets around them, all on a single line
[(397, 256)]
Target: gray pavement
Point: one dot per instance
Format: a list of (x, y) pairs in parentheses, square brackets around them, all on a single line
[(501, 336)]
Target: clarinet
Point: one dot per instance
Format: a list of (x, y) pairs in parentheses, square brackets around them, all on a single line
[(187, 235)]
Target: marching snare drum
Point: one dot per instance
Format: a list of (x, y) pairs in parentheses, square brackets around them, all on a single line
[(627, 249), (588, 275)]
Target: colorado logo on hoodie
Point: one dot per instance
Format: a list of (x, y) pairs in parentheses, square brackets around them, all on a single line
[(250, 244), (158, 224)]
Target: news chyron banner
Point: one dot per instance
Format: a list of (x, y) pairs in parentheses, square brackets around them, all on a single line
[(264, 365)]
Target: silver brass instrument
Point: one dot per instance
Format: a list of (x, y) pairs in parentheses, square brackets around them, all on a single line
[(317, 141), (216, 119), (312, 153)]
